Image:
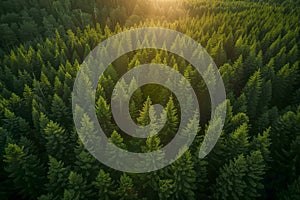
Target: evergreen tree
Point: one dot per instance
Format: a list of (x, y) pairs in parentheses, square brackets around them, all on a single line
[(144, 118), (77, 187), (237, 142), (126, 189), (60, 112), (241, 178), (25, 170), (292, 192), (104, 185), (184, 177), (172, 121), (166, 189), (118, 141), (85, 163), (253, 93), (262, 143), (219, 54), (104, 115), (59, 142), (57, 176), (284, 150)]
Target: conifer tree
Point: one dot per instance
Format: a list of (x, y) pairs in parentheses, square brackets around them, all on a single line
[(184, 177), (219, 54), (150, 180), (104, 115), (292, 192), (60, 112), (284, 148), (59, 142), (25, 170), (166, 189), (77, 187), (262, 143), (57, 178), (118, 141), (85, 163), (252, 92), (283, 83), (126, 188), (237, 142), (144, 118), (172, 121), (104, 185), (241, 178)]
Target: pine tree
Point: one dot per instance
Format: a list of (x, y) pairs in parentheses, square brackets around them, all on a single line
[(241, 178), (150, 180), (237, 142), (60, 112), (219, 54), (120, 95), (17, 125), (57, 176), (283, 84), (59, 142), (285, 148), (262, 143), (166, 189), (184, 177), (172, 121), (104, 115), (104, 185), (144, 118), (77, 187), (85, 163), (87, 130), (292, 192), (118, 141), (137, 96), (252, 92), (126, 189), (25, 170), (107, 84)]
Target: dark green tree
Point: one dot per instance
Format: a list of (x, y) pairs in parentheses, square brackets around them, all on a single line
[(57, 176), (104, 185), (126, 188), (241, 178), (25, 170)]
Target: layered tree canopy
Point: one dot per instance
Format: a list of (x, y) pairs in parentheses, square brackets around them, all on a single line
[(255, 45)]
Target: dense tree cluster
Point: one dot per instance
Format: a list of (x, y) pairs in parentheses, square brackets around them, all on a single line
[(23, 21), (254, 44)]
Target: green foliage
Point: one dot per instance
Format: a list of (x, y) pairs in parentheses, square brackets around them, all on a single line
[(238, 142), (104, 115), (126, 189), (25, 170), (104, 185), (172, 120), (57, 176), (255, 44), (59, 142), (293, 191), (183, 177), (241, 178), (77, 187), (166, 189), (144, 118)]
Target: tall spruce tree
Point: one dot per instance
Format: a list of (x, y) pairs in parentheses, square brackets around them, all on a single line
[(25, 170), (241, 178)]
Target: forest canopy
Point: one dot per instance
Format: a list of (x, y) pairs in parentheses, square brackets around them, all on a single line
[(255, 45)]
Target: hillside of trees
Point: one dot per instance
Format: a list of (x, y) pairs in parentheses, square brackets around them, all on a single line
[(255, 45)]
